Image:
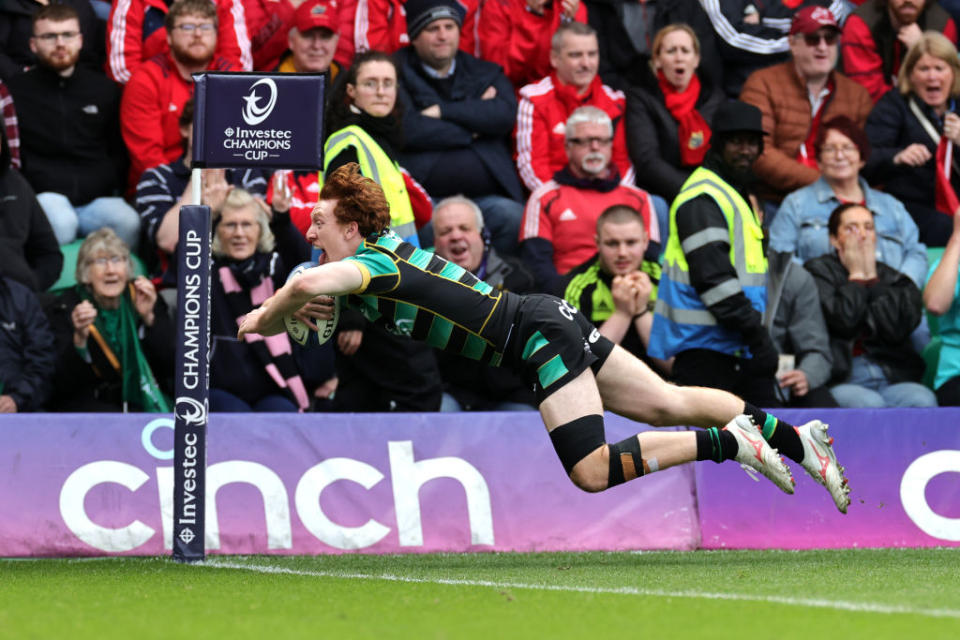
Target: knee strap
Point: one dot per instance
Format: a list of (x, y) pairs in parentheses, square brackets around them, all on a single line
[(625, 461), (575, 440)]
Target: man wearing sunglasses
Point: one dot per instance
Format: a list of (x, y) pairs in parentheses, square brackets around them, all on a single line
[(795, 97)]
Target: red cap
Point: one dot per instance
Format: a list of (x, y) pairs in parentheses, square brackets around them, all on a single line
[(317, 13), (811, 20)]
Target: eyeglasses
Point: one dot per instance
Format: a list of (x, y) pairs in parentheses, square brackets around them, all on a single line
[(114, 260), (813, 39), (845, 149), (584, 142), (53, 37), (245, 225), (373, 85), (189, 27)]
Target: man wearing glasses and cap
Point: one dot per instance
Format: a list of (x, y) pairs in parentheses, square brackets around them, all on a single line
[(795, 97)]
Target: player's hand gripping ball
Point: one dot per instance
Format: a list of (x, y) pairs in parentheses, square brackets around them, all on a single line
[(300, 332)]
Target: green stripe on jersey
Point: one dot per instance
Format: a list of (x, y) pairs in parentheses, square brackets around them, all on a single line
[(420, 259), (534, 344), (474, 347), (404, 317), (389, 242), (551, 371), (451, 271), (439, 334), (482, 287), (378, 264)]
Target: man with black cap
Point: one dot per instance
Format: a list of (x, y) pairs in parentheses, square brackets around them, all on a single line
[(712, 295), (458, 115)]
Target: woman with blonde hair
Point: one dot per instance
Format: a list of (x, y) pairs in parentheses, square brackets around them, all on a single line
[(914, 129), (113, 335), (668, 112)]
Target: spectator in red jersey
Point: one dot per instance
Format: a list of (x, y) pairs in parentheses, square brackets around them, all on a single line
[(795, 97), (516, 34), (557, 232), (382, 25), (546, 105), (878, 34), (138, 30), (668, 112), (154, 97)]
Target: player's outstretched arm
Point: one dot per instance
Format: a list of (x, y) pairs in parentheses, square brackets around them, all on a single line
[(333, 279)]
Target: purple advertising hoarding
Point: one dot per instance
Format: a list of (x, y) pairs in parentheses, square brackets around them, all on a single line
[(384, 483), (904, 471), (102, 484)]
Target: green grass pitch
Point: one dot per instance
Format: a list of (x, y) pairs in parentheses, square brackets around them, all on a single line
[(815, 595)]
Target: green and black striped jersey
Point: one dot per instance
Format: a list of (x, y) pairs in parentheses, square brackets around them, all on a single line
[(421, 295)]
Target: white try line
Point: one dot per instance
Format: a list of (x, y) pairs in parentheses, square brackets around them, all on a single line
[(841, 605)]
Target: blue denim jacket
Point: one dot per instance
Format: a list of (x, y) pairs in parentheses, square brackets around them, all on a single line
[(800, 227)]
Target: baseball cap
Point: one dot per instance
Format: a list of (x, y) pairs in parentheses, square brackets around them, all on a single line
[(317, 13), (812, 19)]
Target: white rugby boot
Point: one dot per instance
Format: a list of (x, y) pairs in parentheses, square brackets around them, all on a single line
[(820, 462), (754, 453)]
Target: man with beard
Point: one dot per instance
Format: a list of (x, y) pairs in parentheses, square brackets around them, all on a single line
[(72, 153), (557, 232), (154, 97), (712, 294), (877, 36)]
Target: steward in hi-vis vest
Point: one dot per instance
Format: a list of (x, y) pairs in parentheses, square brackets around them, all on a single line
[(712, 294)]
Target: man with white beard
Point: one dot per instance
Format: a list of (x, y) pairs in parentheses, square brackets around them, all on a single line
[(557, 231)]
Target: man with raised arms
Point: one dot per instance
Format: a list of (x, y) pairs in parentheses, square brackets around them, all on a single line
[(575, 371)]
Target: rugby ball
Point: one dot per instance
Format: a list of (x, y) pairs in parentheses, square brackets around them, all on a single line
[(301, 333)]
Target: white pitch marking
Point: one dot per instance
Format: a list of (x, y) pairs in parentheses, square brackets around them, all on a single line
[(841, 605)]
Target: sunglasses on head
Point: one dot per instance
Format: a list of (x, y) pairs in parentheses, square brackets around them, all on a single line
[(813, 39)]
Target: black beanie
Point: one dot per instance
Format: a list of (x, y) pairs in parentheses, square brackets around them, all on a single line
[(420, 13)]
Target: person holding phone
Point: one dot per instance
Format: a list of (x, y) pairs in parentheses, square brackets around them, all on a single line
[(113, 335)]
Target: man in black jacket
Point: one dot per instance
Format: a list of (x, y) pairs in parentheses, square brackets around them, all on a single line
[(71, 148), (26, 349), (28, 249), (458, 115)]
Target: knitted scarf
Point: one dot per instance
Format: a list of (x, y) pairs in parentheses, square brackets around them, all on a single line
[(692, 130), (115, 332), (247, 284)]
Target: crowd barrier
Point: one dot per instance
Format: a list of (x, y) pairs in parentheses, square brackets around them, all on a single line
[(78, 485)]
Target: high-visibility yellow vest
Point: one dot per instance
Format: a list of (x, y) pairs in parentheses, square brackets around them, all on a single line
[(682, 320), (376, 165)]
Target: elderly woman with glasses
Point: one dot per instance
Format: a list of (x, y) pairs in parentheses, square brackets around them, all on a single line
[(914, 130), (800, 227), (114, 335), (252, 255)]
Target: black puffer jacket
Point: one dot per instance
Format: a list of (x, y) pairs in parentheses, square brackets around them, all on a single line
[(652, 135), (882, 315), (26, 347)]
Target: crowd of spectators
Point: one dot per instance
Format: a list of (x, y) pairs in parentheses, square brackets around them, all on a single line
[(742, 194)]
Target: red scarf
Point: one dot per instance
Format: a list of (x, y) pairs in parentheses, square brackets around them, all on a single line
[(692, 130), (947, 201)]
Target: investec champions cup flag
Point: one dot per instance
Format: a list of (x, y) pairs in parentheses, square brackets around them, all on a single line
[(267, 121)]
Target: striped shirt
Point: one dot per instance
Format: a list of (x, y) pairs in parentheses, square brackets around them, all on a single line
[(419, 294)]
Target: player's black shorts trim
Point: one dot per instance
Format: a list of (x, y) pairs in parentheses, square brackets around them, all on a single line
[(552, 343)]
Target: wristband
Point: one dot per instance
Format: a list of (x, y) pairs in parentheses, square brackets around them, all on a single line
[(640, 315)]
